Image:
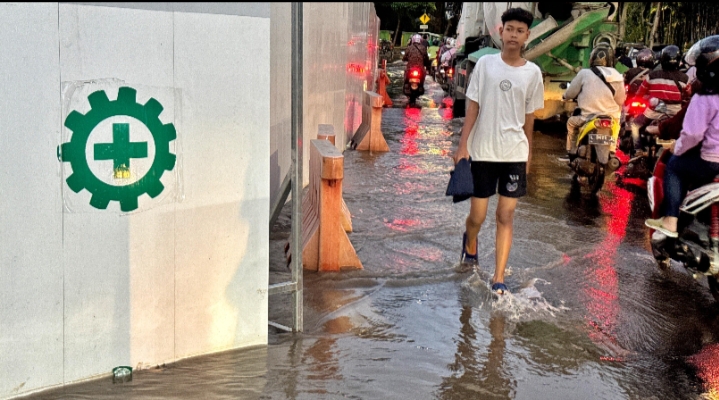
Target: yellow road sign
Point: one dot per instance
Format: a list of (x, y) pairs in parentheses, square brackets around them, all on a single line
[(424, 18)]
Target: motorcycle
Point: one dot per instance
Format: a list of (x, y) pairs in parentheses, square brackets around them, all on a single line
[(641, 166), (594, 157), (386, 50), (697, 246), (444, 75), (414, 83)]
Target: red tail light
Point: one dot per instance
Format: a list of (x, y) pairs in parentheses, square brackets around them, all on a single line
[(415, 72), (604, 123), (637, 106)]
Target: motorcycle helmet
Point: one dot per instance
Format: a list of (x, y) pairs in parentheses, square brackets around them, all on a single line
[(645, 58), (691, 57), (670, 57), (602, 56), (705, 58), (416, 38)]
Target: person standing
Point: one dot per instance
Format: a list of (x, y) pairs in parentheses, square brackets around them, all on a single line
[(504, 91)]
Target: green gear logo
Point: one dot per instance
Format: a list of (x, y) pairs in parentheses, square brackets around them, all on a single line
[(120, 151)]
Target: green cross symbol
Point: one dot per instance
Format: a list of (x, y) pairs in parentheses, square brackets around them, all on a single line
[(121, 150)]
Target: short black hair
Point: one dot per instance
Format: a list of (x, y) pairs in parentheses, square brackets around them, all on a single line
[(425, 36), (518, 14)]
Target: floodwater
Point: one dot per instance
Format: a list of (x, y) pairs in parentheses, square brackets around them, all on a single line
[(590, 315)]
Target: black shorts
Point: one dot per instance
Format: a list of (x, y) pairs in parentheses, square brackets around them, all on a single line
[(509, 177)]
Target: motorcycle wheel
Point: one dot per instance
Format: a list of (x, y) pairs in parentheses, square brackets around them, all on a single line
[(598, 179), (713, 287), (412, 99)]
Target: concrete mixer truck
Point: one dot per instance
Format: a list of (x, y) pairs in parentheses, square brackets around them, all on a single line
[(561, 38)]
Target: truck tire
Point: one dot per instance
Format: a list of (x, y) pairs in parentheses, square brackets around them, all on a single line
[(458, 108)]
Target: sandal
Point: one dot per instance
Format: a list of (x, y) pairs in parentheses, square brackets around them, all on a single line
[(499, 288), (467, 258), (656, 224)]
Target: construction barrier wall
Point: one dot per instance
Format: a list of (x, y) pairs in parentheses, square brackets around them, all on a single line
[(339, 64), (107, 257)]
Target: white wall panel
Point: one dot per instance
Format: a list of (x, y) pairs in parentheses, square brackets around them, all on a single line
[(31, 281), (280, 95), (110, 42), (225, 100), (134, 46)]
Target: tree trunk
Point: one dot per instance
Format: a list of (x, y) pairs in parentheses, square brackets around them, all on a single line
[(623, 21), (655, 24), (396, 31)]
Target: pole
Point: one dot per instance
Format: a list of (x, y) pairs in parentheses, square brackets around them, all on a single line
[(296, 127)]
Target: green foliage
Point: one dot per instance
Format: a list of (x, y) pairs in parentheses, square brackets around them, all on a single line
[(680, 23), (410, 9)]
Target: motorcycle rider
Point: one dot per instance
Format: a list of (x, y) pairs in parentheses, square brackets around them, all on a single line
[(700, 131), (599, 90), (416, 57), (667, 85), (634, 77), (444, 47)]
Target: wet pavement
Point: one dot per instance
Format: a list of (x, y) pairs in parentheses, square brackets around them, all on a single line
[(590, 315)]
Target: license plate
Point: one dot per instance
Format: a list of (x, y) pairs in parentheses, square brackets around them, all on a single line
[(601, 139), (414, 80)]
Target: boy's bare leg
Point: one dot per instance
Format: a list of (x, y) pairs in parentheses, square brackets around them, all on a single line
[(505, 222), (475, 219)]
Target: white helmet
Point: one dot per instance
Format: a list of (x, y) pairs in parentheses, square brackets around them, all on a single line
[(416, 38)]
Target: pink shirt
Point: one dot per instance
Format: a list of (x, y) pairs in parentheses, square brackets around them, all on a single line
[(701, 125)]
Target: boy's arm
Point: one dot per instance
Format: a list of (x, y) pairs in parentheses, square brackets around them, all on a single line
[(528, 131), (469, 119)]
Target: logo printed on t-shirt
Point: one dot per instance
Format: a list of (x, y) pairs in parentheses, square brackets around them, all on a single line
[(505, 85)]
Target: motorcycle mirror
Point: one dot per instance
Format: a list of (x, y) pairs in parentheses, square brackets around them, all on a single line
[(564, 85)]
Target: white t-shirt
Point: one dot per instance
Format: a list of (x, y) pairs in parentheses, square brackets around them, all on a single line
[(593, 96), (505, 95)]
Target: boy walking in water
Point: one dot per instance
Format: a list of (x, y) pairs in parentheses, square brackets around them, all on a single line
[(504, 91)]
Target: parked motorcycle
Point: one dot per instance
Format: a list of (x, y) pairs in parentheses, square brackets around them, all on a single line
[(697, 246), (414, 83)]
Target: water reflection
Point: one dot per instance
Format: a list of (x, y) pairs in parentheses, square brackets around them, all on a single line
[(473, 374)]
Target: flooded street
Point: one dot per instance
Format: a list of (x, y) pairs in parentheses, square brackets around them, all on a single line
[(590, 316)]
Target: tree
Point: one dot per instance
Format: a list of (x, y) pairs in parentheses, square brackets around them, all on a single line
[(407, 10), (676, 23)]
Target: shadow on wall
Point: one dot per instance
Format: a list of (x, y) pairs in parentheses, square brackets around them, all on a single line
[(250, 307)]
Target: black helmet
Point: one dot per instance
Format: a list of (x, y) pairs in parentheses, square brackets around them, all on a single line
[(670, 57), (645, 58), (705, 55), (602, 56)]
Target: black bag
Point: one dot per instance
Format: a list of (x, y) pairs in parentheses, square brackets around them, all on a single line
[(461, 183)]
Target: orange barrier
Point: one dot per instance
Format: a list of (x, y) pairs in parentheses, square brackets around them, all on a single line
[(369, 134), (325, 244), (382, 82), (327, 132)]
